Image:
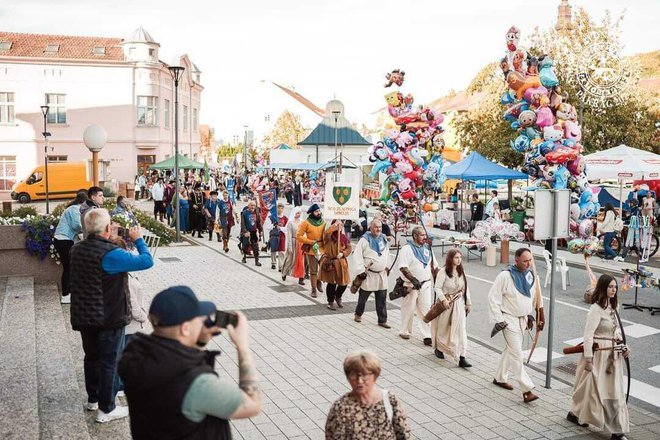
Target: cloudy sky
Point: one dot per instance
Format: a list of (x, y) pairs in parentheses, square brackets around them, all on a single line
[(323, 48)]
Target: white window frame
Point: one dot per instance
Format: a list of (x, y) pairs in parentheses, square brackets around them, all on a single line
[(185, 118), (6, 178), (147, 111), (166, 113), (56, 103), (194, 119), (7, 115)]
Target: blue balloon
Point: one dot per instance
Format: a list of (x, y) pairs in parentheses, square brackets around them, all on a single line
[(546, 73), (521, 144), (380, 165)]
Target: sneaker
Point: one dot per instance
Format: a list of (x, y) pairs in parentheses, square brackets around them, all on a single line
[(357, 318), (384, 325), (118, 413), (619, 259), (92, 406), (272, 266), (121, 394), (65, 299)]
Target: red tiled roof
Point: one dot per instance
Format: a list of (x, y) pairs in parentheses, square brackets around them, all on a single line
[(70, 47)]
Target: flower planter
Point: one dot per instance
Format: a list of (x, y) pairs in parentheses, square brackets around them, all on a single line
[(16, 261)]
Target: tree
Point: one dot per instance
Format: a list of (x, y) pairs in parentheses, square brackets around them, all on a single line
[(287, 130), (631, 120)]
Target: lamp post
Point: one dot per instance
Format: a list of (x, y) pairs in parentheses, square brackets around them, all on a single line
[(245, 151), (95, 138), (44, 111), (336, 114), (176, 72)]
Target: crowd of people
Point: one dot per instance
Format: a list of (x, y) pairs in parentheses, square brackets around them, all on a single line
[(167, 374)]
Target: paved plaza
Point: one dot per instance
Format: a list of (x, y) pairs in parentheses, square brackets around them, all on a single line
[(299, 346)]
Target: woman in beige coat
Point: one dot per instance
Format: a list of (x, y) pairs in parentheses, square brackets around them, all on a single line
[(334, 264), (449, 328), (599, 397)]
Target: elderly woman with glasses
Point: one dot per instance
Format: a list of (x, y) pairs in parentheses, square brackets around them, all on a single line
[(367, 412)]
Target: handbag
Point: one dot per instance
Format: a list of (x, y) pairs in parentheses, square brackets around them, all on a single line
[(327, 264), (357, 282), (399, 291), (437, 308)]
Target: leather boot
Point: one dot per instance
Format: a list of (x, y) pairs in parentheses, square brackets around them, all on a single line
[(210, 236), (529, 397), (463, 363)]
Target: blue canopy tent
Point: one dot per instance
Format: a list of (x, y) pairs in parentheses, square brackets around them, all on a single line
[(313, 166), (476, 167)]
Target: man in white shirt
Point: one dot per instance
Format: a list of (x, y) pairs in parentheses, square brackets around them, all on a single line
[(511, 305), (371, 256), (490, 208), (157, 193), (415, 265)]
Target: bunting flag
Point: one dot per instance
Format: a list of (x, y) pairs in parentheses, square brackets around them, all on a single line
[(267, 204)]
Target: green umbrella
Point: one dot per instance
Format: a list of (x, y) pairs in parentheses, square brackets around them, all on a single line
[(184, 164)]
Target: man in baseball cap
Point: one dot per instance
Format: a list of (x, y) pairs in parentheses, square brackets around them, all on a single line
[(170, 383)]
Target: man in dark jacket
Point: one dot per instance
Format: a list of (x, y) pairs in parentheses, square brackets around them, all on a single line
[(172, 389), (476, 210), (100, 306), (251, 231), (95, 199)]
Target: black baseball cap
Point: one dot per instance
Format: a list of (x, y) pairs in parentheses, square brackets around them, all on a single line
[(178, 304)]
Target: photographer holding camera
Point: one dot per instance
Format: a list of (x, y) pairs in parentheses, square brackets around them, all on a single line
[(172, 389)]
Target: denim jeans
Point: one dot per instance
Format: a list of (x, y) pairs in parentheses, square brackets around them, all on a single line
[(607, 241), (102, 348), (381, 304)]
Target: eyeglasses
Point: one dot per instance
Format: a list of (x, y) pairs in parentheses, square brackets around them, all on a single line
[(363, 376)]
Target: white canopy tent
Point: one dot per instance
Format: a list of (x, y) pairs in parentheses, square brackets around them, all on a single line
[(623, 163)]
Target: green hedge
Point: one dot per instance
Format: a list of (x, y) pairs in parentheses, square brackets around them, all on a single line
[(147, 222)]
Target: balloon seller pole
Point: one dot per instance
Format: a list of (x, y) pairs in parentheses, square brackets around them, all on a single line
[(548, 361)]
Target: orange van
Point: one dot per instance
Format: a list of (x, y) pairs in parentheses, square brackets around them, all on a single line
[(64, 181)]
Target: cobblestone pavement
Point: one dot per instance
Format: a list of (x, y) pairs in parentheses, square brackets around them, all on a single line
[(299, 346)]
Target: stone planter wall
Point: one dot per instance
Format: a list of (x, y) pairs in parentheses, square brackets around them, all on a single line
[(16, 261)]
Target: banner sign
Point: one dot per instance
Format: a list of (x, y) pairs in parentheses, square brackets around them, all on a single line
[(268, 204), (342, 200)]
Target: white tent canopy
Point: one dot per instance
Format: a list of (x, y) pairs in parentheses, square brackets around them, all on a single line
[(623, 163)]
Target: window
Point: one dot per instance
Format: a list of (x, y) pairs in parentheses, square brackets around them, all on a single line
[(194, 119), (185, 117), (98, 50), (52, 48), (147, 110), (5, 45), (166, 114), (58, 158), (7, 172), (34, 178), (57, 108), (6, 108), (131, 51), (152, 52)]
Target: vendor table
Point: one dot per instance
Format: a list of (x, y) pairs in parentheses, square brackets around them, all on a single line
[(472, 250)]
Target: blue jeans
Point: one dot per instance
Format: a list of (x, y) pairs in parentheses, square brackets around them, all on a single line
[(101, 349), (125, 341), (607, 242)]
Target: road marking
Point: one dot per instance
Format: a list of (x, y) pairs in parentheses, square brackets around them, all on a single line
[(656, 368), (643, 391), (584, 309), (575, 341), (640, 330), (540, 355)]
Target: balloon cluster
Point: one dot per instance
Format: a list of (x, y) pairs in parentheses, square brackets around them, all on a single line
[(490, 228), (548, 132), (410, 155), (584, 241)]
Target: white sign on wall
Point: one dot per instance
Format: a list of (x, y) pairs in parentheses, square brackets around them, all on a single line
[(342, 199)]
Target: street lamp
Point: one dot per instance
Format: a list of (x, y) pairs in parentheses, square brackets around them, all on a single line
[(176, 72), (245, 152), (336, 114), (44, 111), (95, 138)]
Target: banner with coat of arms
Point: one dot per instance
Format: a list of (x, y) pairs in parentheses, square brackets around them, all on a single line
[(342, 200)]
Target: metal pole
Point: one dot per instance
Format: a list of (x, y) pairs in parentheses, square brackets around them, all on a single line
[(336, 176), (176, 160), (548, 362), (245, 152), (46, 164)]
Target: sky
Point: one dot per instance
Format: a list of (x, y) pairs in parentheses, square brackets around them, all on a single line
[(324, 48)]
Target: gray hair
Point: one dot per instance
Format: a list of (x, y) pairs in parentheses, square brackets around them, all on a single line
[(374, 221), (97, 221), (417, 230)]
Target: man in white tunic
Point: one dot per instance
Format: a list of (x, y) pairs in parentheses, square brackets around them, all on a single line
[(511, 305), (370, 257), (415, 261)]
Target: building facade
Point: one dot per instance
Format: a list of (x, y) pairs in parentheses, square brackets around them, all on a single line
[(120, 84)]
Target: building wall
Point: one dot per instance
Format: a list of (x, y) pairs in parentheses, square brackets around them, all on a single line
[(96, 93)]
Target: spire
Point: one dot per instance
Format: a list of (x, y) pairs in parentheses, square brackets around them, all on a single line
[(564, 17)]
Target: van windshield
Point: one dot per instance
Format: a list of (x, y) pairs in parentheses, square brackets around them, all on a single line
[(34, 178)]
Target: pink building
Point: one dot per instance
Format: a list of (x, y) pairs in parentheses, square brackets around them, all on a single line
[(120, 84)]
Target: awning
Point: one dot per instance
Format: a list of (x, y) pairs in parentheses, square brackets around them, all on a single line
[(477, 167), (308, 166), (184, 164), (623, 163)]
